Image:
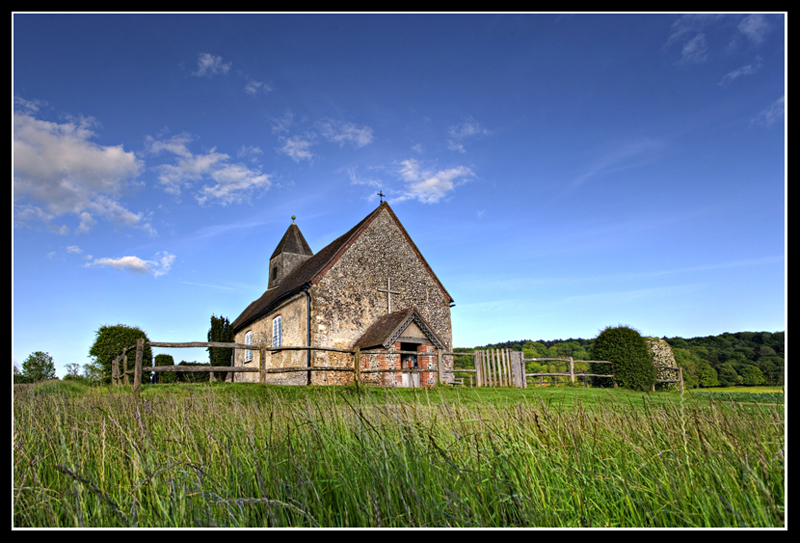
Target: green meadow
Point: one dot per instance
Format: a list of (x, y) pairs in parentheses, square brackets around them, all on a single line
[(246, 455)]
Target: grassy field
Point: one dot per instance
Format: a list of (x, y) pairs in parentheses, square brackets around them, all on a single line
[(245, 455)]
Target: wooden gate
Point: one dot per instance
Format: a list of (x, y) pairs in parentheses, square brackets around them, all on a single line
[(500, 367)]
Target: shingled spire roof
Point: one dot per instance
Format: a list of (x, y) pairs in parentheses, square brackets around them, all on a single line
[(292, 242), (312, 270)]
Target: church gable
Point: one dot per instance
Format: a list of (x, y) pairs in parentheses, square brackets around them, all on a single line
[(406, 326), (375, 273)]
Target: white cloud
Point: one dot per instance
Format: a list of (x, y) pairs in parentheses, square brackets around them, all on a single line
[(255, 87), (136, 265), (695, 50), (282, 125), (59, 171), (427, 186), (209, 65), (298, 148), (467, 129), (773, 113), (342, 133), (687, 31), (74, 249), (221, 181), (750, 69), (754, 27), (355, 179)]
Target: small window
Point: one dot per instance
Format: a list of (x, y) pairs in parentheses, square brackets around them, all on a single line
[(276, 331), (248, 340)]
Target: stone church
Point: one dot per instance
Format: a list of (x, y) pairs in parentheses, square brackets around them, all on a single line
[(370, 288)]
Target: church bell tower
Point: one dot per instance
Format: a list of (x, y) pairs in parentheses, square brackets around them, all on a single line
[(289, 254)]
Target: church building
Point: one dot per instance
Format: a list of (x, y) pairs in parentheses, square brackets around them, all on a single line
[(371, 288)]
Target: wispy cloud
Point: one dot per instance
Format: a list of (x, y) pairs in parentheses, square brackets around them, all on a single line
[(691, 33), (342, 133), (220, 180), (773, 113), (59, 171), (755, 27), (461, 131), (209, 65), (256, 87), (298, 148), (133, 264), (429, 186), (621, 157), (749, 69), (688, 32)]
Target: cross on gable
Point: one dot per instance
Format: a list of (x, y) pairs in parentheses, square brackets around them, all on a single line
[(388, 290)]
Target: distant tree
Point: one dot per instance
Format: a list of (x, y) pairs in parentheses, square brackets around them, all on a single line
[(20, 379), (39, 367), (751, 375), (632, 362), (772, 369), (192, 376), (93, 372), (727, 376), (165, 376), (109, 343), (73, 370), (220, 331), (708, 376)]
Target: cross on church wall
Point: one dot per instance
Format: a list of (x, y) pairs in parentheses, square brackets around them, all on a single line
[(388, 290)]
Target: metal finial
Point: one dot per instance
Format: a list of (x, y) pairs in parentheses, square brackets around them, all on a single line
[(293, 218)]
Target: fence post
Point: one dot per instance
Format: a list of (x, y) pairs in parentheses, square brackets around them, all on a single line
[(115, 371), (137, 371), (571, 370), (438, 366), (357, 365), (476, 362), (125, 367), (262, 364), (680, 376)]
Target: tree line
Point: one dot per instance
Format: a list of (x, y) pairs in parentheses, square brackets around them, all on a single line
[(729, 359)]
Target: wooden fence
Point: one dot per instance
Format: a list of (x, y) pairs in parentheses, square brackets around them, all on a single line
[(503, 367), (492, 367), (262, 369)]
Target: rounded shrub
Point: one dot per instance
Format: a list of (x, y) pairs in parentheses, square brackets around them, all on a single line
[(628, 351)]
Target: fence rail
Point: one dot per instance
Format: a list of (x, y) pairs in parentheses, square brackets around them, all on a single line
[(492, 367), (262, 369)]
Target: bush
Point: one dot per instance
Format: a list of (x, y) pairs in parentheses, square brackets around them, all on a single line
[(110, 342), (164, 376), (632, 361)]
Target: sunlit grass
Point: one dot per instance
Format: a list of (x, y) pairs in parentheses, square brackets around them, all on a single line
[(253, 456)]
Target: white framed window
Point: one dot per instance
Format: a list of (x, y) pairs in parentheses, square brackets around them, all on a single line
[(248, 340), (276, 331)]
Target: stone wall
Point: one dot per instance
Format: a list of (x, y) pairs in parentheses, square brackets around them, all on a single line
[(293, 324), (347, 301)]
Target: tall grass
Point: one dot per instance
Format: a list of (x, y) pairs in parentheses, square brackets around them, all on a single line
[(252, 456)]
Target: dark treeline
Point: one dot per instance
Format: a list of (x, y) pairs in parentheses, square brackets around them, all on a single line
[(741, 358)]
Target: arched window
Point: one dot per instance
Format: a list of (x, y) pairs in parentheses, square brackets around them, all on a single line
[(248, 340), (276, 331)]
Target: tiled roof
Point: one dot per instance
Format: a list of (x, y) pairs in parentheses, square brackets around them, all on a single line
[(385, 331)]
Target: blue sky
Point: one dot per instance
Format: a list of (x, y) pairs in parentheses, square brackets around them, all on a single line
[(560, 172)]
